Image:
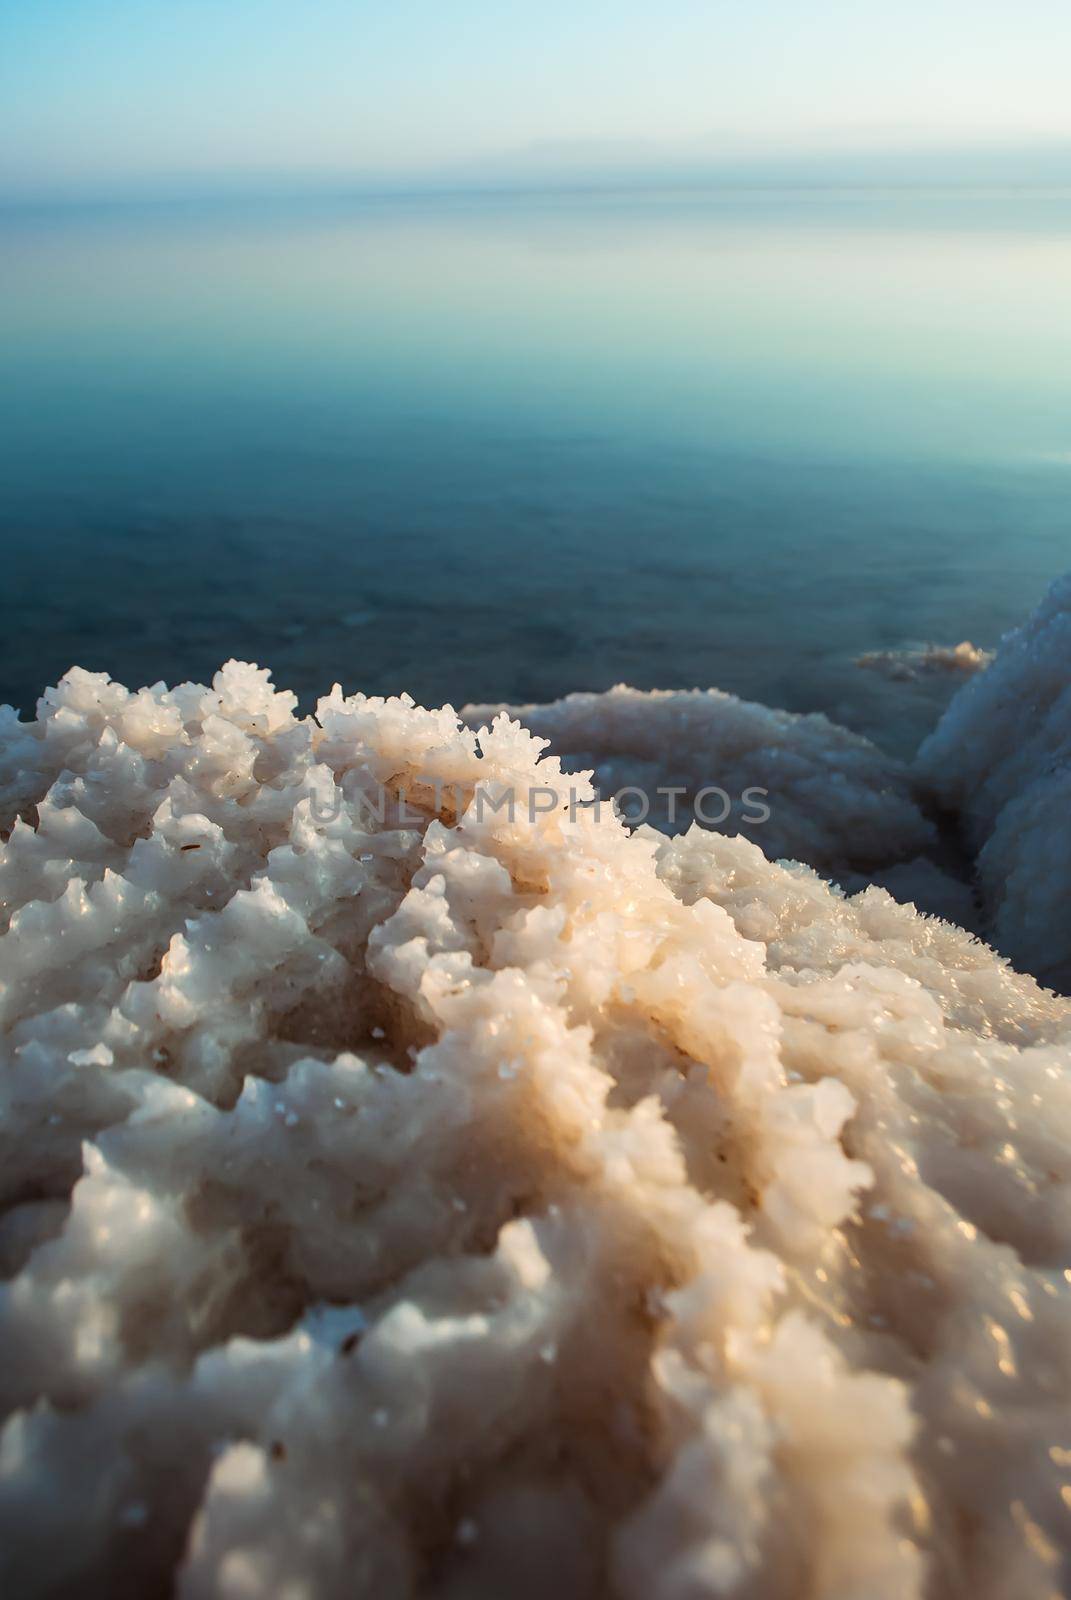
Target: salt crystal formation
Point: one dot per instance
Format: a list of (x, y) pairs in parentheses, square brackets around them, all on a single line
[(451, 1204), (905, 666), (1001, 759), (819, 774)]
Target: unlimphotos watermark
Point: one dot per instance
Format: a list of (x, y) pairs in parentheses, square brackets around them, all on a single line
[(409, 803)]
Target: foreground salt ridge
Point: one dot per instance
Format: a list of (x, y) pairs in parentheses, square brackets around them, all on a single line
[(494, 1206), (1001, 759)]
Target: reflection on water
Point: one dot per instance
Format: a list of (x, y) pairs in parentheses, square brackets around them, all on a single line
[(483, 449)]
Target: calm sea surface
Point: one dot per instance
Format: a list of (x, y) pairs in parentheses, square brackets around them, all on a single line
[(505, 448)]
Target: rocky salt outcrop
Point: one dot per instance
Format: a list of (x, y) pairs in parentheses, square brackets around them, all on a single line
[(1000, 761)]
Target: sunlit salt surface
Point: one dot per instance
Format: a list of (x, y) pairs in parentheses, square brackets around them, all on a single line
[(441, 1204)]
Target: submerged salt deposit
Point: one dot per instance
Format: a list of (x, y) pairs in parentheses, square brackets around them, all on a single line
[(961, 660), (1001, 760), (453, 1205)]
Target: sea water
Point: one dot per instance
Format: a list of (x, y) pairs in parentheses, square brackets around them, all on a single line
[(502, 446)]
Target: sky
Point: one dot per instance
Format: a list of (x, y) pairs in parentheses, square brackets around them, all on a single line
[(101, 94)]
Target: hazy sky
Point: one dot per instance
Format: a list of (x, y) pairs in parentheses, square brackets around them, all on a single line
[(106, 91)]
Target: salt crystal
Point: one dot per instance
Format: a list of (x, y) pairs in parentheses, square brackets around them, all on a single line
[(830, 1047)]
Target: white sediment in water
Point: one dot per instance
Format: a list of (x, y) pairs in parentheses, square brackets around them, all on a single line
[(961, 660), (1000, 759), (460, 1205)]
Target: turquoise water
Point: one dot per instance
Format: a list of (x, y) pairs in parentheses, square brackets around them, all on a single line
[(508, 447)]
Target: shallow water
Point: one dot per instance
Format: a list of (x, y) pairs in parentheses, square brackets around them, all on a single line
[(509, 447)]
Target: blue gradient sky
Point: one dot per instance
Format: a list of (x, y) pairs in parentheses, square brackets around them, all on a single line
[(103, 92)]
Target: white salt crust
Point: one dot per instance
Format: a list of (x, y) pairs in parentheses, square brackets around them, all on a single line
[(835, 800), (471, 1207), (1001, 759)]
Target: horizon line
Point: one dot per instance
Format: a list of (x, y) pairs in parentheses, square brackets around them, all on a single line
[(1037, 165)]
